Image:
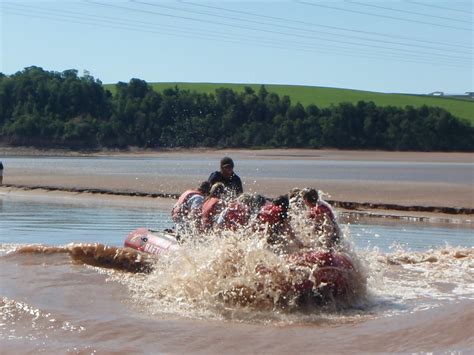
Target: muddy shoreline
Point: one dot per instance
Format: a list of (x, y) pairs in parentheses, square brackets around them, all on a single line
[(347, 205), (333, 154), (410, 198), (126, 199)]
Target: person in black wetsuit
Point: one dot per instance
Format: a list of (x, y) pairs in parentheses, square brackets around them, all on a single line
[(227, 176)]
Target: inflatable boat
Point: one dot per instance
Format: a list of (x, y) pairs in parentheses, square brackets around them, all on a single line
[(331, 270), (152, 242)]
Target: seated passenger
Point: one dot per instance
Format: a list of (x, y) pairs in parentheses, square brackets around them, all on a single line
[(275, 222), (239, 211), (190, 200), (297, 206), (322, 216), (295, 198), (212, 206), (186, 212)]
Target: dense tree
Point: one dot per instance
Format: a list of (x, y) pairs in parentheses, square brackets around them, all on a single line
[(51, 109)]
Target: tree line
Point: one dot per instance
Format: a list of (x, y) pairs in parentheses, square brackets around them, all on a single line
[(62, 109)]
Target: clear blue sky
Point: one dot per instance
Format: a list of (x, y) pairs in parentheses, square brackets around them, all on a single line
[(412, 46)]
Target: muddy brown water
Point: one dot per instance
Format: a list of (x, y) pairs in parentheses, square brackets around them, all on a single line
[(419, 296)]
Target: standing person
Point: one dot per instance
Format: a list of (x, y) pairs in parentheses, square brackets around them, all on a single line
[(227, 177), (1, 173)]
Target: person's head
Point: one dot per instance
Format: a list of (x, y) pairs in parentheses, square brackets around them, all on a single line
[(254, 202), (204, 187), (258, 201), (310, 196), (227, 167), (217, 190), (295, 192), (282, 201), (245, 199), (295, 197)]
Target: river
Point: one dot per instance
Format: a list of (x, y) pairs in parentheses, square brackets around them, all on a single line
[(419, 297)]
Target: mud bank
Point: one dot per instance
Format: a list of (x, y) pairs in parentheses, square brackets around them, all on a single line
[(166, 200)]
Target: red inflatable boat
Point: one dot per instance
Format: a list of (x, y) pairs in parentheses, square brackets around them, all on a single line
[(332, 270), (143, 239)]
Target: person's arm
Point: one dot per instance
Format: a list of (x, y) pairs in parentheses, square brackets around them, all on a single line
[(217, 212), (195, 202), (239, 189), (214, 177), (221, 218)]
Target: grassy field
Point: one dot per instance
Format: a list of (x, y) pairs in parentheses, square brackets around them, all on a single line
[(324, 97)]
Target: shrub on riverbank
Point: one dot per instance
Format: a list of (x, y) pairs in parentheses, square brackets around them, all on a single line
[(51, 109)]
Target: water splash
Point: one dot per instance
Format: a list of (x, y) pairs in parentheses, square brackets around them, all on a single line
[(235, 275), (35, 322)]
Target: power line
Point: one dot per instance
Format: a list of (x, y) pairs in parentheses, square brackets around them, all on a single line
[(438, 7), (294, 28), (406, 11), (143, 28), (227, 41), (306, 47), (382, 16), (325, 26), (80, 15), (299, 46), (87, 22), (268, 31)]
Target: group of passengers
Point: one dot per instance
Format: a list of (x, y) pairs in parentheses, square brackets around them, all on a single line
[(220, 204)]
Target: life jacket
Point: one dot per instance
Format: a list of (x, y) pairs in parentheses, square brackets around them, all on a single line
[(272, 218), (236, 215), (270, 214), (320, 210), (180, 209), (209, 211)]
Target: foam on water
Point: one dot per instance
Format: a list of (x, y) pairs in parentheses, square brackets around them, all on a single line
[(225, 285), (407, 281), (36, 323), (219, 279)]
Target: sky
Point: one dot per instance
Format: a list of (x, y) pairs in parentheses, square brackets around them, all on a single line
[(405, 46)]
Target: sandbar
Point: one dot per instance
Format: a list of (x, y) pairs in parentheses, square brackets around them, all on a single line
[(454, 198)]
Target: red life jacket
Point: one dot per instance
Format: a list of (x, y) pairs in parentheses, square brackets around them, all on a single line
[(325, 211), (236, 215), (180, 209), (320, 210), (270, 214), (210, 208)]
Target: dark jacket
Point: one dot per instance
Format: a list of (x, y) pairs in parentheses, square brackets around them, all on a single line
[(233, 183)]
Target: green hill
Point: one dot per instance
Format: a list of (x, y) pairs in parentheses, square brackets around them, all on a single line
[(324, 97)]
